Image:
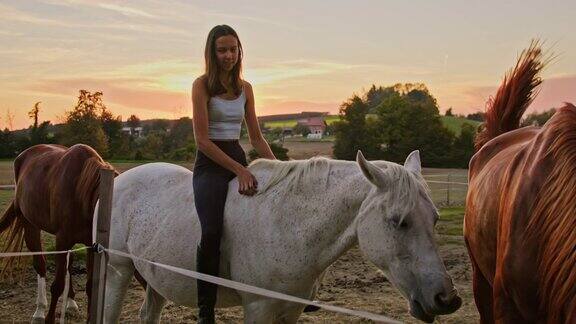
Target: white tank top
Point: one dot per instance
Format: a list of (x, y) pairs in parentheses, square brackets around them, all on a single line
[(225, 117)]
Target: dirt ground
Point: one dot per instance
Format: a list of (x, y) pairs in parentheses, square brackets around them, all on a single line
[(351, 282)]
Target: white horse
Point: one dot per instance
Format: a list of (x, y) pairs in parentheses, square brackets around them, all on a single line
[(306, 215)]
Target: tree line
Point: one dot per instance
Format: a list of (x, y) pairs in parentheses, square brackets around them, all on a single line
[(90, 122), (387, 123)]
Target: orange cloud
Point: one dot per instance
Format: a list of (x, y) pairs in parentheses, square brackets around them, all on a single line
[(126, 92), (553, 92)]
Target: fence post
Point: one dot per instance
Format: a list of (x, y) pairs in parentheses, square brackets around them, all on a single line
[(102, 237), (448, 191)]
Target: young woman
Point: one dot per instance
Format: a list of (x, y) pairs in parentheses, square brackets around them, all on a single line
[(221, 101)]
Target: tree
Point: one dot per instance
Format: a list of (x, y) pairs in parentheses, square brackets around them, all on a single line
[(352, 131), (449, 112), (38, 133), (133, 122), (301, 129), (280, 152), (463, 148), (181, 134), (411, 121), (538, 119), (477, 116), (83, 124), (156, 125), (34, 114), (8, 147), (112, 127), (152, 147)]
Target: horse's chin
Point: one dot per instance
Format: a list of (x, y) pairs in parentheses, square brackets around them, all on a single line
[(418, 311)]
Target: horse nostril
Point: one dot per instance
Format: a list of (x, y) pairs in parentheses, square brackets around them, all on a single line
[(442, 299), (447, 303)]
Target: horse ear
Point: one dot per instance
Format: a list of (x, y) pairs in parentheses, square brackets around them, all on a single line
[(370, 171), (413, 162)]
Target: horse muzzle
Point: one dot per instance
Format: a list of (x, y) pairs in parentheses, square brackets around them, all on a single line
[(443, 304)]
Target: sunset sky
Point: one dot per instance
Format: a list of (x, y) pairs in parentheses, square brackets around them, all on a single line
[(299, 55)]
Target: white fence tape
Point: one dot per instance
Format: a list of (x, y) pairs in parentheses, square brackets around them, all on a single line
[(256, 290), (216, 280), (15, 254), (67, 277)]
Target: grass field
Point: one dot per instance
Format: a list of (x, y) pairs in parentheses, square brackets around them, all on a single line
[(292, 122), (454, 124)]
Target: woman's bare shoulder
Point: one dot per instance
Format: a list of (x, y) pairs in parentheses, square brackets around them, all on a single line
[(200, 84), (247, 86)]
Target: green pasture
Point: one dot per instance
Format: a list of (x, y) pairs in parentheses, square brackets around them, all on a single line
[(452, 123)]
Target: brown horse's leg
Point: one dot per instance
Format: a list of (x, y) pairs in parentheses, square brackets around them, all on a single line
[(482, 295), (71, 306), (482, 292), (59, 278), (505, 309), (34, 244)]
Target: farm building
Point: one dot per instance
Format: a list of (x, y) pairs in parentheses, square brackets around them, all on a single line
[(316, 125)]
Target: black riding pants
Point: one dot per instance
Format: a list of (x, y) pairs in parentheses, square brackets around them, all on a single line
[(210, 181)]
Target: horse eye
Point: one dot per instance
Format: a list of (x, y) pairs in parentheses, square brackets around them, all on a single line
[(399, 222)]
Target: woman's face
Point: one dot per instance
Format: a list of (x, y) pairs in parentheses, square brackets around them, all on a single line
[(227, 52)]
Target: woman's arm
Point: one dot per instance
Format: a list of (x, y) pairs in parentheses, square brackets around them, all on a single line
[(256, 138)]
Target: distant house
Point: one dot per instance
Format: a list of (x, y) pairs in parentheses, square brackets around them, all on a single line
[(316, 125), (136, 132)]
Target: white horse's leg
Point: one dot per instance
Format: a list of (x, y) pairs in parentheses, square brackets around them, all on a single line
[(34, 244), (257, 312), (118, 276), (152, 307), (41, 300), (271, 311)]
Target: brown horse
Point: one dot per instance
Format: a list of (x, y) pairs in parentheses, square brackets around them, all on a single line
[(56, 191), (520, 223)]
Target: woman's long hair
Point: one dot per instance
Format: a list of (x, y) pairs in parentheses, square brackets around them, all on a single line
[(212, 74)]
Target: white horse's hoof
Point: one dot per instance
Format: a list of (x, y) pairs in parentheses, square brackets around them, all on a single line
[(71, 307)]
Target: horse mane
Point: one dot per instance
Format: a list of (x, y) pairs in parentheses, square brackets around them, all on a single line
[(553, 220), (293, 171), (409, 184), (89, 181), (515, 94)]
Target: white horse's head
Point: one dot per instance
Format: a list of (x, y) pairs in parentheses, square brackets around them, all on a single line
[(396, 232)]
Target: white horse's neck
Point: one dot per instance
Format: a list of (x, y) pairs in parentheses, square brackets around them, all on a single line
[(328, 194), (339, 221)]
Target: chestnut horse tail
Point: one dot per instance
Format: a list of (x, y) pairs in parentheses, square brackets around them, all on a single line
[(515, 94), (553, 221), (12, 234), (88, 182)]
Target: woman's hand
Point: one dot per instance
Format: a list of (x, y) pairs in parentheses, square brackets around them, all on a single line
[(247, 183)]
